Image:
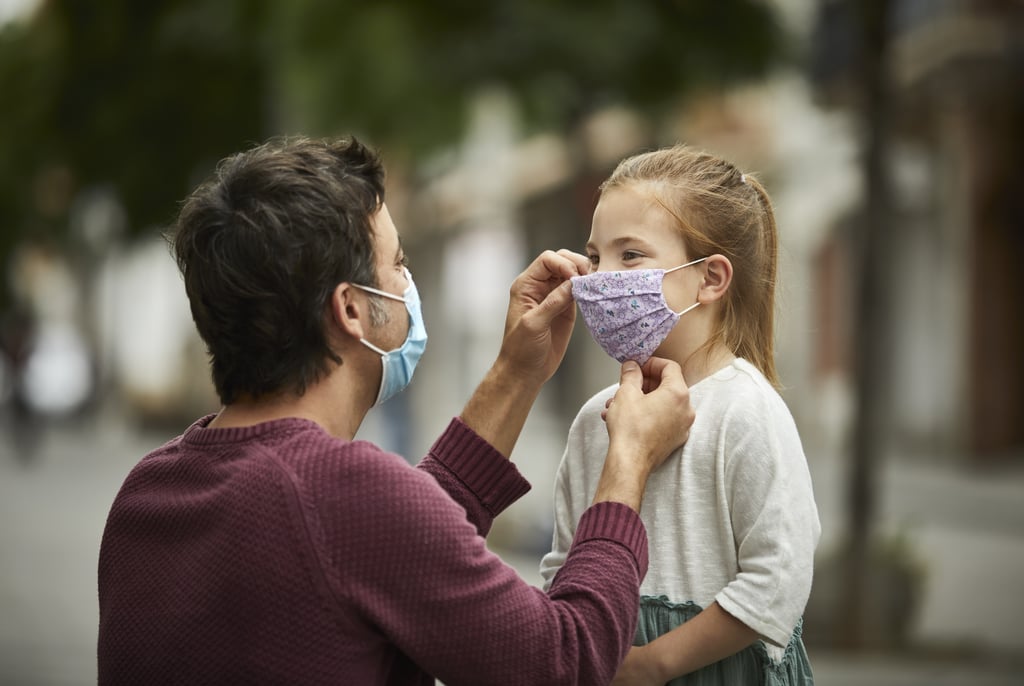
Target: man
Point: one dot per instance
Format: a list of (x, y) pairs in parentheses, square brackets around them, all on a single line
[(264, 545)]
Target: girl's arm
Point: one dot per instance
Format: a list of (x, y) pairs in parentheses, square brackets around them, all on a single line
[(712, 635)]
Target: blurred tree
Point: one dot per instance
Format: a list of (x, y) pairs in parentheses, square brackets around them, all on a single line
[(873, 342), (135, 97), (852, 69), (403, 71), (142, 97)]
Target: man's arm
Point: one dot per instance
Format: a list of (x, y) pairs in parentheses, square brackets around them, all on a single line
[(648, 417), (582, 628), (540, 318), (539, 323)]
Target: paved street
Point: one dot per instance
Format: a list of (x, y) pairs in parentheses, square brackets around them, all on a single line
[(52, 508)]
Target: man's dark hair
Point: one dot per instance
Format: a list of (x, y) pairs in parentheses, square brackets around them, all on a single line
[(261, 246)]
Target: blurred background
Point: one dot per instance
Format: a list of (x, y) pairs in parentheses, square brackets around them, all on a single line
[(890, 134)]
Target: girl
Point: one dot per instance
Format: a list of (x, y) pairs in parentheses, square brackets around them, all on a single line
[(680, 234)]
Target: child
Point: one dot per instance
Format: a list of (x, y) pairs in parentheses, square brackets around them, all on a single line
[(731, 515)]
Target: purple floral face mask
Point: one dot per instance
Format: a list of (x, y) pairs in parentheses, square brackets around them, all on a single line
[(626, 310)]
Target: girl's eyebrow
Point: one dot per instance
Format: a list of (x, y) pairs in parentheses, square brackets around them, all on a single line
[(620, 241)]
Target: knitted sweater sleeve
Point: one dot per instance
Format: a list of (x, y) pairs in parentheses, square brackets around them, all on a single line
[(426, 580), (484, 487)]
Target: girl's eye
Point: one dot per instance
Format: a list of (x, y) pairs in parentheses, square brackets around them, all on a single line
[(594, 259), (630, 255)]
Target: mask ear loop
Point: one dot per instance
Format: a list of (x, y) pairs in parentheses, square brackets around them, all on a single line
[(688, 264), (688, 308), (379, 292), (371, 346), (399, 298), (368, 289)]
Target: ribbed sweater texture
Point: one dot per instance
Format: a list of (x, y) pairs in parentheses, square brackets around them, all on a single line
[(278, 554)]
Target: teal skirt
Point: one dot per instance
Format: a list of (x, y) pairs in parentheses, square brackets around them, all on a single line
[(752, 665)]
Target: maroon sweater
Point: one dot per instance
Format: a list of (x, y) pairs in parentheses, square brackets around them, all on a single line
[(277, 554)]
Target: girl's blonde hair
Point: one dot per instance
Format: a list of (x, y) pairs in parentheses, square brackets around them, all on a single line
[(719, 210)]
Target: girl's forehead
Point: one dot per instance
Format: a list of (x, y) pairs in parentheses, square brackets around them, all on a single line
[(626, 212)]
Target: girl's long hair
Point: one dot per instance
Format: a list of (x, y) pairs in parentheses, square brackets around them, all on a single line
[(719, 210)]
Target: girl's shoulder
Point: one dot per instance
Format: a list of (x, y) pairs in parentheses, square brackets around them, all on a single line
[(738, 374), (591, 410), (600, 398), (740, 389)]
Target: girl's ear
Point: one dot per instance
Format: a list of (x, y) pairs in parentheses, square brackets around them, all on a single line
[(717, 277), (348, 311)]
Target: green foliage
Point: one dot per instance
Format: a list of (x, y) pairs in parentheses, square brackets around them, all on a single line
[(137, 96), (403, 71), (144, 97)]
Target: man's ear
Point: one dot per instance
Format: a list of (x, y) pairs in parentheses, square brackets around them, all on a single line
[(717, 277), (348, 310)]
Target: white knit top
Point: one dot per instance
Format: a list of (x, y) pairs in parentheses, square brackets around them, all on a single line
[(730, 516)]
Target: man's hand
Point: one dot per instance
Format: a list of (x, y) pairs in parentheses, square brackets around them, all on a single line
[(541, 313), (539, 322), (648, 417)]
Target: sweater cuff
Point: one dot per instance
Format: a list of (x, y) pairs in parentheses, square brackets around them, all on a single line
[(615, 522), (492, 477)]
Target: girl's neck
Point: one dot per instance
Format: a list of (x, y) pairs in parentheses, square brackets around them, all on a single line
[(704, 362)]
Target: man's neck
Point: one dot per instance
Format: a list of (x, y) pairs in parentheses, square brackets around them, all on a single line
[(339, 416)]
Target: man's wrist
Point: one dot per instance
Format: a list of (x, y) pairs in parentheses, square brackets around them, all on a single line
[(509, 373), (623, 480), (500, 405)]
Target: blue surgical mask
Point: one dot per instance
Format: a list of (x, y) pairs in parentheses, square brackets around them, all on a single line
[(400, 363)]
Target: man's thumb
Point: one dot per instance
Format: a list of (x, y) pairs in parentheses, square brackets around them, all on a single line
[(554, 304), (631, 375)]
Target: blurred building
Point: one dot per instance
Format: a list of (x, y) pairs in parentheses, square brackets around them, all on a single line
[(474, 216), (487, 208), (955, 114), (501, 199)]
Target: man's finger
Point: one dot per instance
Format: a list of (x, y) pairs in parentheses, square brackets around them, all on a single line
[(658, 370), (550, 264), (655, 366), (554, 304), (631, 375), (582, 262)]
